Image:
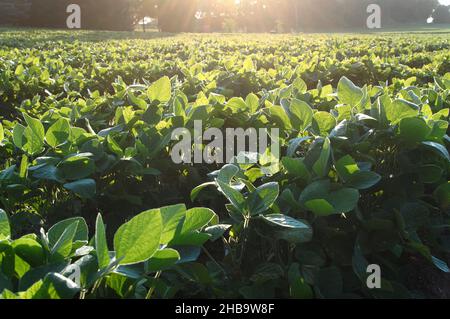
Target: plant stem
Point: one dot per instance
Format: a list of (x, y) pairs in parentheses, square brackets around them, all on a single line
[(244, 236), (152, 288)]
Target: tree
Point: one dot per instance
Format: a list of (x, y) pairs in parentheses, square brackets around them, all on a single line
[(95, 14), (441, 14)]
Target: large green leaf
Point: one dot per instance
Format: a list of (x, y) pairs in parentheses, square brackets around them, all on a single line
[(54, 286), (77, 167), (55, 232), (349, 93), (27, 140), (296, 167), (237, 104), (138, 240), (414, 130), (172, 221), (323, 123), (85, 188), (290, 229), (196, 218), (279, 116), (323, 199), (18, 137), (364, 179), (5, 230), (349, 171), (29, 250), (300, 85), (58, 133), (162, 260), (188, 233), (344, 200), (160, 90), (346, 167), (320, 207), (227, 172), (101, 245), (252, 102), (63, 246), (400, 109), (34, 135), (301, 114), (262, 198), (321, 166), (234, 196), (36, 127), (438, 148)]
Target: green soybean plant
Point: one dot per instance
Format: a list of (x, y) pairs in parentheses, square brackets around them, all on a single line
[(63, 263)]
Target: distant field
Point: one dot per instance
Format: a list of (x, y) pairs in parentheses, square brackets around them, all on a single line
[(87, 35)]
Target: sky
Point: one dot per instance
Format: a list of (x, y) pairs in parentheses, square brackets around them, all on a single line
[(446, 2)]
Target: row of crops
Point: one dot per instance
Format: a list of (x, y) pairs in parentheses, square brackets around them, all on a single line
[(92, 205)]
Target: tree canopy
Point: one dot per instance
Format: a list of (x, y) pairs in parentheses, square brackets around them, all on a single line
[(236, 15)]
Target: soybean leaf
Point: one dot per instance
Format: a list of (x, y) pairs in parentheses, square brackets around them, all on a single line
[(29, 250), (252, 102), (414, 130), (54, 286), (291, 229), (5, 230), (346, 167), (349, 93), (320, 207), (101, 245), (138, 240), (296, 167), (438, 148), (234, 196), (196, 218), (262, 198), (322, 164), (227, 172), (323, 123), (196, 191), (63, 246), (279, 116), (300, 85), (58, 133), (301, 114), (400, 109), (85, 188), (77, 167), (81, 233), (162, 260), (160, 90), (35, 126), (344, 200), (364, 179), (172, 220), (217, 231)]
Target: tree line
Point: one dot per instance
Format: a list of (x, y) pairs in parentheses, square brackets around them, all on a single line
[(232, 15)]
